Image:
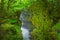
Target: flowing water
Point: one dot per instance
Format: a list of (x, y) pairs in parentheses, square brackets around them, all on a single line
[(26, 25), (25, 33)]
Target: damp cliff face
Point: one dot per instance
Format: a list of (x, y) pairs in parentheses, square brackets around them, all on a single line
[(43, 18)]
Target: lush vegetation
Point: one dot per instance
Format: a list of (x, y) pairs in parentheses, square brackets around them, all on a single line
[(10, 32), (10, 25), (45, 16)]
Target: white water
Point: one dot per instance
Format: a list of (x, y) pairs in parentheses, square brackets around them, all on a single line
[(25, 25), (25, 33)]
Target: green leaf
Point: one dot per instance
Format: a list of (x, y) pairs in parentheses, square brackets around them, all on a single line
[(57, 26), (12, 21)]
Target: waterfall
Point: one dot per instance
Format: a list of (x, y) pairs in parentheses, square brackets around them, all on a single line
[(25, 33), (25, 28)]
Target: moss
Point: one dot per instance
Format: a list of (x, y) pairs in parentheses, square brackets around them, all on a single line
[(38, 34), (41, 19), (10, 32), (58, 36)]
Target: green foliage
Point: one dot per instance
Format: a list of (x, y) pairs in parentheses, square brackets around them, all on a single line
[(44, 16), (58, 36), (56, 27), (12, 21), (10, 32), (9, 18), (14, 5), (40, 14), (38, 34)]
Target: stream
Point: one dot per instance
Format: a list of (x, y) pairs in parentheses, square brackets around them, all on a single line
[(27, 26), (25, 33)]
